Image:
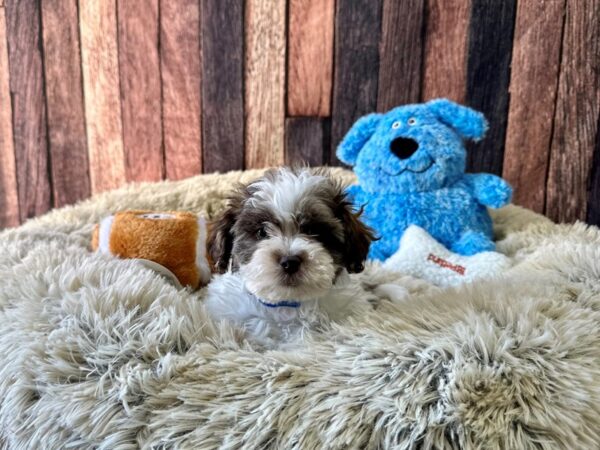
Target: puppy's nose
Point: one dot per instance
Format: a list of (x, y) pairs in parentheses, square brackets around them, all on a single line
[(290, 264), (404, 148)]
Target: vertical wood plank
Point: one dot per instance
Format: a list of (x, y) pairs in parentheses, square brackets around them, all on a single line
[(576, 116), (593, 203), (9, 198), (64, 92), (265, 83), (488, 73), (401, 52), (180, 68), (98, 31), (304, 140), (310, 59), (533, 82), (445, 59), (357, 32), (139, 70), (222, 85), (29, 109)]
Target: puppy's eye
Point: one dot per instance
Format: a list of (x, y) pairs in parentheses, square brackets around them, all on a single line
[(412, 121), (396, 125), (308, 230), (261, 233)]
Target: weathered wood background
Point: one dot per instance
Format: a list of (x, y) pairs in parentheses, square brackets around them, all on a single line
[(97, 93)]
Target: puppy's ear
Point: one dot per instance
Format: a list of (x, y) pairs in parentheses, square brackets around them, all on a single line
[(358, 236), (220, 237)]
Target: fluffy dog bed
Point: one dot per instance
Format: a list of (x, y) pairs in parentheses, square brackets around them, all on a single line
[(98, 352)]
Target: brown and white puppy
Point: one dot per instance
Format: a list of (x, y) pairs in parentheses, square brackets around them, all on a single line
[(288, 241)]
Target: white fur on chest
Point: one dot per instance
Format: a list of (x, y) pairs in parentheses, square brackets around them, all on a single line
[(227, 299)]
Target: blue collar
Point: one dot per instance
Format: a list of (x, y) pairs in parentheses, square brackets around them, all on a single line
[(283, 303)]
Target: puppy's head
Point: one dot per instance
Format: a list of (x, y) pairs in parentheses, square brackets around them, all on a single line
[(290, 234)]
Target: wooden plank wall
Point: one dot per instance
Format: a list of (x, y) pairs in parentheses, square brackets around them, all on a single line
[(97, 94)]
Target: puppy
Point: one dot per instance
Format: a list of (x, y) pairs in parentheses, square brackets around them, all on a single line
[(287, 242)]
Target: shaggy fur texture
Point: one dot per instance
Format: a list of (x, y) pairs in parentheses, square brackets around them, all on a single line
[(100, 352), (410, 164)]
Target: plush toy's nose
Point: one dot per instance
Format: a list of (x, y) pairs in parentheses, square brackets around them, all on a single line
[(404, 148)]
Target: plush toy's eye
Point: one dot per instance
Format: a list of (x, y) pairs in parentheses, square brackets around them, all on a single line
[(396, 125), (412, 121), (261, 233)]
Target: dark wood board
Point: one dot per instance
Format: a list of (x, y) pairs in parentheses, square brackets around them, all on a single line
[(304, 140), (576, 116), (9, 197), (593, 202), (139, 71), (401, 53), (533, 82), (310, 57), (180, 68), (64, 92), (488, 74), (24, 36), (222, 85), (445, 58), (356, 65)]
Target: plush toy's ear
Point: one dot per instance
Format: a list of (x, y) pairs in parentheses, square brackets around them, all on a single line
[(467, 122), (356, 138)]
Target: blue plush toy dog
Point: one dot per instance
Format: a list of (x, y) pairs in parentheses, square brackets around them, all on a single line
[(410, 164)]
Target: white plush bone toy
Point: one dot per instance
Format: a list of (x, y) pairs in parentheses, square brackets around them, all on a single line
[(420, 255)]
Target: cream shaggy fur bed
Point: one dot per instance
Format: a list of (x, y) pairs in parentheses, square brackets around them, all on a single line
[(98, 352)]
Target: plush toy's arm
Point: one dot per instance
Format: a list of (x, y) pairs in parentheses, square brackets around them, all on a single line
[(489, 190), (356, 138)]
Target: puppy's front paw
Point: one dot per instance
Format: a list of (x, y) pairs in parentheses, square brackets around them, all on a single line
[(393, 292)]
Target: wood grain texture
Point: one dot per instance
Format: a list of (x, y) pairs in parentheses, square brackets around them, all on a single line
[(98, 31), (180, 68), (24, 38), (576, 116), (401, 53), (304, 140), (9, 198), (222, 85), (310, 58), (64, 92), (533, 81), (593, 196), (356, 65), (488, 74), (445, 59), (264, 83), (139, 70)]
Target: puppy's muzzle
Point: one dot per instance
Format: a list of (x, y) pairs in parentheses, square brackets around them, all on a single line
[(403, 147), (290, 264)]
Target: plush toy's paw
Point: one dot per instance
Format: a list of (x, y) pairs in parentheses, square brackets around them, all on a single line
[(489, 190), (472, 242), (420, 255), (496, 194)]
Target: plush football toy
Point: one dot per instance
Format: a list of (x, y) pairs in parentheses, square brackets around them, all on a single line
[(410, 164), (172, 243)]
